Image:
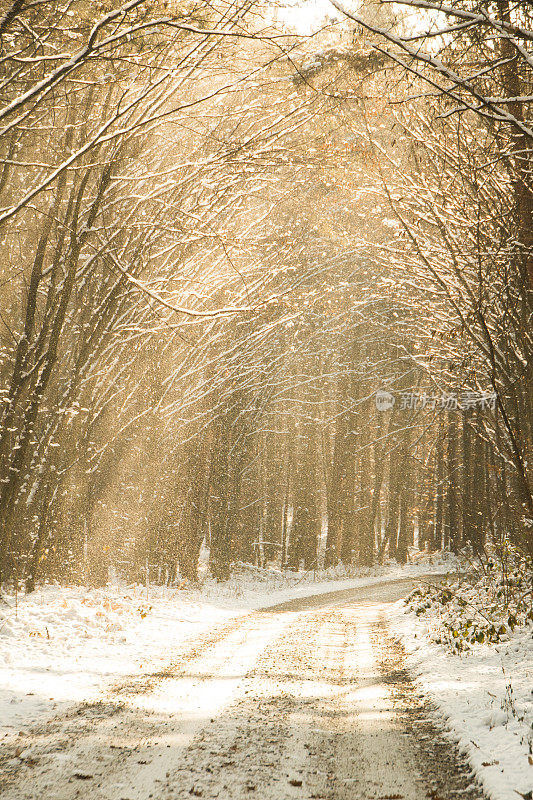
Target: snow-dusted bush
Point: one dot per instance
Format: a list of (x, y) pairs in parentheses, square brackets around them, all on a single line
[(482, 605)]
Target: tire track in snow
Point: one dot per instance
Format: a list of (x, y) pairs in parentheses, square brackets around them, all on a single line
[(123, 743)]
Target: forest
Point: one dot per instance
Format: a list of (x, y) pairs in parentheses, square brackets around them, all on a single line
[(265, 295)]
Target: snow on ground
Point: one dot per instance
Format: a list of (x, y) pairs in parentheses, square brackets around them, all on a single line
[(63, 645), (485, 696)]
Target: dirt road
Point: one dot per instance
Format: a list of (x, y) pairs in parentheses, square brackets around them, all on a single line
[(308, 699)]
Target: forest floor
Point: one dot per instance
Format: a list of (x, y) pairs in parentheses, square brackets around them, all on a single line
[(316, 697)]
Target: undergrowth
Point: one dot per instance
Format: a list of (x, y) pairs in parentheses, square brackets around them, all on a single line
[(482, 605)]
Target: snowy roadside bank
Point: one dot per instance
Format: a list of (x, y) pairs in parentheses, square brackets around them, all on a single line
[(485, 696), (63, 645)]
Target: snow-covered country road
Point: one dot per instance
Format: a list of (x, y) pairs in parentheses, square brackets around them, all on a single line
[(307, 699)]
